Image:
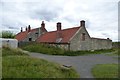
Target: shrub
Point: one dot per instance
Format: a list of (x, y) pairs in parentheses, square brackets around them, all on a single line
[(42, 48), (7, 34)]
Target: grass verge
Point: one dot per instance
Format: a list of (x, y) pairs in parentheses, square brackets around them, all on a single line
[(46, 49), (16, 64), (105, 71)]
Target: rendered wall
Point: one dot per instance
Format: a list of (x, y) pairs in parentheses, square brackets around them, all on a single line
[(12, 43)]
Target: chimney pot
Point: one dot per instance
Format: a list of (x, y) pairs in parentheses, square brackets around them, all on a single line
[(26, 29), (43, 24), (21, 29), (29, 28), (59, 26), (82, 23)]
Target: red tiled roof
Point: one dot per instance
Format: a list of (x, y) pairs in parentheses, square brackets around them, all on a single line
[(22, 35), (50, 37)]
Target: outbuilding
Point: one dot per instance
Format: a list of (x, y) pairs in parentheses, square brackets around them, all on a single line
[(12, 43)]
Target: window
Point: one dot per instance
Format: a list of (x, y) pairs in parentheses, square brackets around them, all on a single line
[(83, 36), (36, 34), (30, 39)]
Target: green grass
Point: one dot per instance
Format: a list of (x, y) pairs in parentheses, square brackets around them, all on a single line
[(12, 52), (20, 65), (105, 71), (45, 49), (116, 52)]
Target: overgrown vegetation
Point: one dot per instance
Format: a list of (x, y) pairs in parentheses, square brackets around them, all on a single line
[(7, 34), (12, 52), (45, 49), (41, 48), (105, 71), (16, 64)]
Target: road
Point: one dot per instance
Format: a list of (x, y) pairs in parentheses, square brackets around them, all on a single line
[(82, 64)]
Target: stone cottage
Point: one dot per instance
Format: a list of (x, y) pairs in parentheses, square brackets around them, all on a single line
[(75, 38)]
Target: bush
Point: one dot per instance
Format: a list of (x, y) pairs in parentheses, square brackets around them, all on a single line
[(7, 34), (41, 48)]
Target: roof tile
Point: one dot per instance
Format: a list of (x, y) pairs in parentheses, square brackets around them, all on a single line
[(50, 37)]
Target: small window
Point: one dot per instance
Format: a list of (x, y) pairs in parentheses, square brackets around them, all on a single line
[(83, 36), (30, 39), (36, 34)]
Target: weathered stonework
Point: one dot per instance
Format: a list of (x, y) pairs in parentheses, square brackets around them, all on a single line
[(89, 43), (76, 42), (33, 35)]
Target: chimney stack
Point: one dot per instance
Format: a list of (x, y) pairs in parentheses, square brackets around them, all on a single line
[(82, 23), (29, 28), (43, 24), (59, 33), (26, 29), (58, 26), (21, 29)]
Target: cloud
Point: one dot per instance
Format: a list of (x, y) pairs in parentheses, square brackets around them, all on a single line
[(101, 16)]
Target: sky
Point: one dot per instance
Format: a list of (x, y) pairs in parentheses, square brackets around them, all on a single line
[(101, 16)]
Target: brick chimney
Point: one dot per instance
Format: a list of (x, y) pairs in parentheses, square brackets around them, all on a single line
[(58, 26), (29, 28), (82, 23), (43, 24)]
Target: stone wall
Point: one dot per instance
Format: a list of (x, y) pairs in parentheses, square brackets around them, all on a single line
[(77, 43), (89, 43), (100, 44), (32, 35), (62, 46)]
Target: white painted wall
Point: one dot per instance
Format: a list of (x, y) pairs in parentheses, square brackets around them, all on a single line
[(12, 43)]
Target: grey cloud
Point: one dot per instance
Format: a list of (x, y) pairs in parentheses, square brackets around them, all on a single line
[(70, 18), (99, 17), (45, 14), (105, 34)]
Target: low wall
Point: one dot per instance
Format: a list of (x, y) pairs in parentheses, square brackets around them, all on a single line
[(12, 43), (101, 44)]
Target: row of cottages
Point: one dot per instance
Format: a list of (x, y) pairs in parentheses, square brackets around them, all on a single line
[(75, 38)]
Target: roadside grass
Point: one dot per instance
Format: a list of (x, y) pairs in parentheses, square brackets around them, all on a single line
[(50, 50), (12, 52), (105, 71), (116, 52), (19, 65)]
